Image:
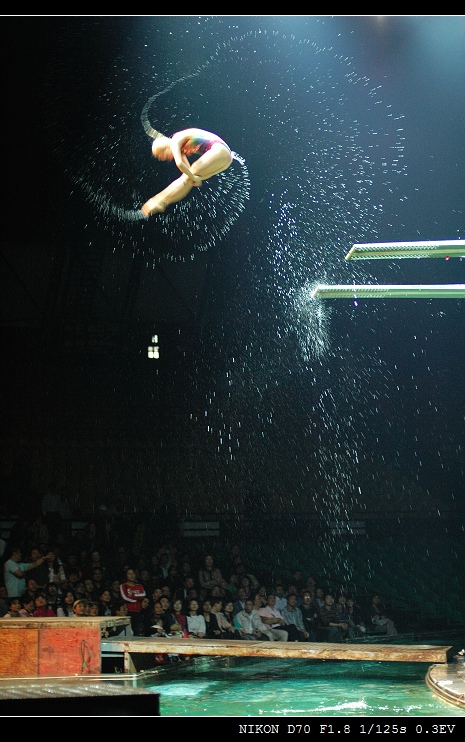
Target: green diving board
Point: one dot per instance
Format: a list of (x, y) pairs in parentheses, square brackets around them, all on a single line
[(387, 250), (393, 291)]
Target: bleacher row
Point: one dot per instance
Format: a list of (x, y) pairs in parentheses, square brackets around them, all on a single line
[(421, 576)]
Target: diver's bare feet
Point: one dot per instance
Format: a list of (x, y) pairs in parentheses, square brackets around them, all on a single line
[(152, 206)]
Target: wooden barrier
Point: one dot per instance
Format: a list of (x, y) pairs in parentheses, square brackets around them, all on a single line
[(132, 647), (53, 646)]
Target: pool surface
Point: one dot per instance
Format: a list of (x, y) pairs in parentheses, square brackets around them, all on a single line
[(282, 688)]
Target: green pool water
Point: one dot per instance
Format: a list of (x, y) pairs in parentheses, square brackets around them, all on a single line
[(278, 688)]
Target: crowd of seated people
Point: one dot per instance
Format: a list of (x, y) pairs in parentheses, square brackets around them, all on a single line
[(164, 592)]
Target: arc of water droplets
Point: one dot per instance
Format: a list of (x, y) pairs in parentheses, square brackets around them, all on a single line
[(185, 221)]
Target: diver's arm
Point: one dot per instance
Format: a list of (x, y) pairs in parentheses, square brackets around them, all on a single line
[(181, 160)]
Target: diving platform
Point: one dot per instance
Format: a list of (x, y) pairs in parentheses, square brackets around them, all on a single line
[(388, 250), (133, 650), (389, 291), (394, 250)]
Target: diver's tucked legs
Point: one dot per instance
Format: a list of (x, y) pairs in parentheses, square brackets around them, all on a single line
[(213, 162), (176, 191)]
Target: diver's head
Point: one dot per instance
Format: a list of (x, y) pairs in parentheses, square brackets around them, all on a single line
[(161, 148)]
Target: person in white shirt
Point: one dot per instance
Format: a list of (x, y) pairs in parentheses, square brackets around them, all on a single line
[(272, 618), (196, 625), (14, 572), (251, 625), (280, 595)]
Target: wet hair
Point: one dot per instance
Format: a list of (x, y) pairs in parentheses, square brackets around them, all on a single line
[(161, 148)]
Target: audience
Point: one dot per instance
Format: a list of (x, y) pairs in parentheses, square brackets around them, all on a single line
[(309, 609), (27, 605), (41, 609), (173, 621), (167, 592), (272, 618), (56, 571), (40, 572), (195, 622), (293, 617), (121, 609), (378, 616), (105, 602), (357, 625), (80, 607), (211, 622), (331, 627), (230, 616), (251, 624), (280, 595), (179, 615), (158, 623), (15, 570), (239, 603), (31, 587), (92, 608), (65, 606), (225, 622), (14, 609), (209, 575), (52, 595), (132, 593)]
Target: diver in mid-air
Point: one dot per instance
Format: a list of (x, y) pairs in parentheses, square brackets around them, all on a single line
[(214, 156)]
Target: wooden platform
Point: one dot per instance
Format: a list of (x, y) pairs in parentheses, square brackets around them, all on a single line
[(134, 646), (448, 682), (53, 646)]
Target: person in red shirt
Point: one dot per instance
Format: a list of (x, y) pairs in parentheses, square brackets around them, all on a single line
[(133, 593), (41, 608)]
